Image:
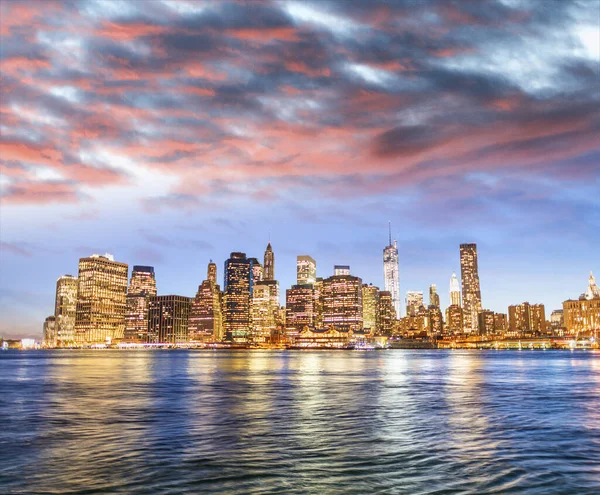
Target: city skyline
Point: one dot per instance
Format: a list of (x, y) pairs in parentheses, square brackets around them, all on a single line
[(172, 132)]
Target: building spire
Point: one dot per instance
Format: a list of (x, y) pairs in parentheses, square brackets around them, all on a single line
[(390, 230)]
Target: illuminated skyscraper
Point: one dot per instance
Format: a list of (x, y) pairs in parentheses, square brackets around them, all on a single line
[(500, 322), (50, 332), (257, 270), (264, 310), (370, 298), (306, 270), (391, 275), (435, 319), (206, 319), (300, 305), (141, 286), (65, 309), (168, 318), (237, 289), (414, 302), (387, 313), (101, 300), (527, 318), (485, 322), (269, 266), (454, 319), (341, 270), (342, 303), (454, 291), (434, 297), (471, 291)]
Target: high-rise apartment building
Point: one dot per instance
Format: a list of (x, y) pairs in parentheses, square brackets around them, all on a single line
[(454, 319), (101, 300), (342, 303), (582, 316), (50, 337), (168, 318), (306, 270), (141, 286), (471, 291), (500, 322), (485, 322), (264, 311), (206, 319), (538, 318), (370, 304), (527, 318), (387, 313), (391, 276), (269, 266), (454, 291), (300, 307), (237, 290), (434, 297), (65, 310), (414, 302), (435, 320)]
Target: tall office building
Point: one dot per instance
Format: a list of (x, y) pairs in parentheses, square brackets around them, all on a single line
[(370, 298), (471, 292), (237, 290), (414, 302), (168, 318), (269, 266), (391, 276), (50, 337), (500, 322), (264, 310), (454, 319), (141, 286), (387, 313), (435, 320), (65, 310), (258, 271), (300, 307), (454, 291), (434, 297), (342, 303), (306, 270), (101, 300), (485, 322), (206, 319)]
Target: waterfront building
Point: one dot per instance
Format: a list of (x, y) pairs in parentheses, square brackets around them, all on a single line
[(557, 321), (65, 310), (454, 319), (526, 318), (471, 291), (306, 270), (50, 337), (101, 300), (206, 318), (436, 320), (500, 323), (582, 316), (538, 318), (485, 322), (237, 290), (414, 302), (387, 313), (142, 286), (391, 276), (341, 270), (342, 303), (264, 311), (269, 266), (434, 297), (168, 318), (300, 307), (454, 291), (370, 304), (318, 305)]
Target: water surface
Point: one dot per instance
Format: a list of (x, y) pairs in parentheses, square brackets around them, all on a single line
[(397, 422)]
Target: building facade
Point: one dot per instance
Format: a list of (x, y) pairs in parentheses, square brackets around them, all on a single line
[(168, 318), (391, 273), (454, 319), (485, 322), (142, 286), (300, 307), (206, 318), (414, 302), (342, 303), (471, 291), (454, 291), (582, 316), (237, 296), (101, 300), (370, 304), (269, 266), (65, 310), (50, 336), (306, 270), (387, 313), (264, 311)]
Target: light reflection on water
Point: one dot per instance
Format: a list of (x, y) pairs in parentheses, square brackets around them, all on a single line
[(299, 422)]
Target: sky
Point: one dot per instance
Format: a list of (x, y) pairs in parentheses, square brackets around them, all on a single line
[(169, 133)]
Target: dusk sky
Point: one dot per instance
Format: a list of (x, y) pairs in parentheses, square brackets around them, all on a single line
[(169, 133)]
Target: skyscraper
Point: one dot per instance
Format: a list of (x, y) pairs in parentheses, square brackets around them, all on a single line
[(391, 277), (342, 303), (434, 297), (485, 322), (387, 313), (101, 300), (454, 291), (414, 302), (264, 310), (168, 318), (300, 307), (141, 286), (65, 309), (269, 266), (237, 289), (50, 332), (206, 319), (471, 291), (257, 270), (306, 270), (454, 319), (370, 297)]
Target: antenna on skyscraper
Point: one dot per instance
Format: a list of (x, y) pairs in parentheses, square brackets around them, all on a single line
[(390, 229)]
